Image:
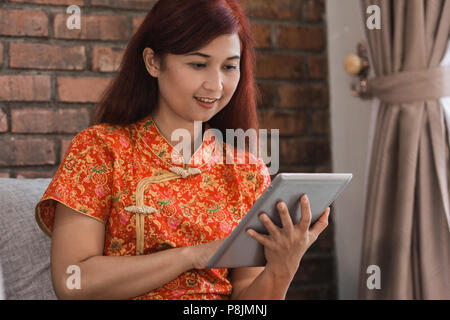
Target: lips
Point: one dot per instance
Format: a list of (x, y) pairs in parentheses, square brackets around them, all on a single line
[(215, 99), (208, 105)]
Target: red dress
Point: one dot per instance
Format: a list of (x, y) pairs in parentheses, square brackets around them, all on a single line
[(110, 174)]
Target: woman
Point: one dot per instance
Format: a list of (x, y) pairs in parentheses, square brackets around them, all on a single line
[(135, 222)]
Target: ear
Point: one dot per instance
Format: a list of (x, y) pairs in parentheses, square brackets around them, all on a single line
[(152, 63)]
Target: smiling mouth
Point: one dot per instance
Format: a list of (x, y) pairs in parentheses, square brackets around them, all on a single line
[(208, 105), (206, 100)]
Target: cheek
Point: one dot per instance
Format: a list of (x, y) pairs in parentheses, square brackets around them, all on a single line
[(181, 82), (187, 81), (179, 78), (231, 85)]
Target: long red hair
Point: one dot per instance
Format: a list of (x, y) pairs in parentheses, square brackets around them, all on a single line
[(180, 27)]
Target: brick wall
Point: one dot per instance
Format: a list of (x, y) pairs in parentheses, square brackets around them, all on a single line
[(50, 78)]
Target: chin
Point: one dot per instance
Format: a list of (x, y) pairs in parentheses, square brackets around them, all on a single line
[(204, 117)]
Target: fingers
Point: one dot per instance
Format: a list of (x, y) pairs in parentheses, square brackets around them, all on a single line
[(305, 221), (270, 226), (263, 239), (286, 220), (320, 224)]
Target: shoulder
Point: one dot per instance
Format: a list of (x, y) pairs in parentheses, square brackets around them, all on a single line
[(251, 171), (105, 131), (246, 164), (243, 158), (102, 136)]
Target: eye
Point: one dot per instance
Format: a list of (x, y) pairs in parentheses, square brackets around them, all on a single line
[(202, 65), (230, 68), (198, 65)]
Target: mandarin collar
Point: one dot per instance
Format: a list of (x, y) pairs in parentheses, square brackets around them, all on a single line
[(155, 141)]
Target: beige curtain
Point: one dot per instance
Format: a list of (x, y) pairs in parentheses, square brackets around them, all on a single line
[(407, 220)]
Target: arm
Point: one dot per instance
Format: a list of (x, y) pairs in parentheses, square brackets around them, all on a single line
[(79, 240), (257, 283)]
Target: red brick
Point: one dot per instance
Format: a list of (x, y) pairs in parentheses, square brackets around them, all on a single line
[(317, 67), (126, 4), (5, 175), (137, 21), (325, 241), (1, 54), (320, 123), (3, 121), (304, 293), (262, 34), (106, 59), (296, 169), (305, 38), (287, 123), (23, 23), (314, 270), (315, 10), (280, 9), (54, 2), (93, 28), (49, 121), (304, 152), (303, 95), (25, 88), (268, 93), (322, 169), (27, 152), (279, 67), (65, 143), (44, 56), (84, 89)]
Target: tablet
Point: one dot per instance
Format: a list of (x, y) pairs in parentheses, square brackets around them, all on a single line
[(322, 189)]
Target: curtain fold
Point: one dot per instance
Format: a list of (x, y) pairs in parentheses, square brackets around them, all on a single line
[(407, 216)]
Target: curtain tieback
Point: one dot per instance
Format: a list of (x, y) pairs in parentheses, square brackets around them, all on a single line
[(142, 210), (411, 86)]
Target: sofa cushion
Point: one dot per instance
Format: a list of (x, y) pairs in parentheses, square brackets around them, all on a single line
[(24, 249)]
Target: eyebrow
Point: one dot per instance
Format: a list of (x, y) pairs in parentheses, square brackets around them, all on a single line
[(207, 56)]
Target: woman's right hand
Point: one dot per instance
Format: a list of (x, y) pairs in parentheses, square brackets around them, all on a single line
[(284, 247), (202, 253)]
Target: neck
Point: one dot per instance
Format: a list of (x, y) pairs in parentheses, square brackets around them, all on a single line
[(167, 124)]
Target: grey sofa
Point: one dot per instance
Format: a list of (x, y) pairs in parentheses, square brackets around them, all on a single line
[(24, 248)]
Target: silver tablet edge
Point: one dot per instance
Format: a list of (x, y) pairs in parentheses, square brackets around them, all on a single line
[(276, 181), (244, 222)]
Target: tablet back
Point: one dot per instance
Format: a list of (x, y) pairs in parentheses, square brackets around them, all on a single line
[(241, 250)]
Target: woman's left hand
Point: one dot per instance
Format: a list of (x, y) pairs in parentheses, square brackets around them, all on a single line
[(284, 247)]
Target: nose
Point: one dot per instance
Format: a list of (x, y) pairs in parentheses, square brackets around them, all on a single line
[(214, 81)]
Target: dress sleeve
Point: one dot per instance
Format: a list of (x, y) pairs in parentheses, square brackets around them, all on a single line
[(82, 182), (263, 178)]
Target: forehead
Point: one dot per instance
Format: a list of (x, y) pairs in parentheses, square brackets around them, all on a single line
[(222, 47), (225, 44)]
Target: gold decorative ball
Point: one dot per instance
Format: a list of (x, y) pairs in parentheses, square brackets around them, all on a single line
[(353, 64)]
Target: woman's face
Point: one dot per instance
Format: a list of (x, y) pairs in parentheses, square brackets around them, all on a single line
[(211, 72)]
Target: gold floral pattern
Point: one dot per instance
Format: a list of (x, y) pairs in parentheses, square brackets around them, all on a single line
[(98, 178)]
